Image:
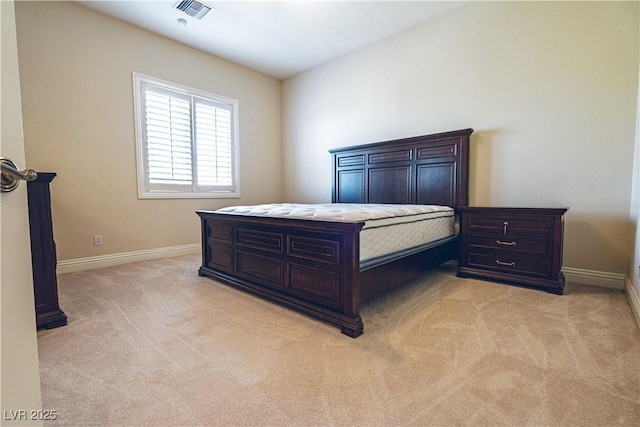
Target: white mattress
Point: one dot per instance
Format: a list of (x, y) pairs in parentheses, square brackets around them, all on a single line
[(388, 228)]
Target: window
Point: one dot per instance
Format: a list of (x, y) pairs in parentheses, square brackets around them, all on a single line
[(186, 139)]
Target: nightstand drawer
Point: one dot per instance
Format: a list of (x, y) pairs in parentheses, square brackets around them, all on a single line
[(505, 224), (517, 244), (537, 267)]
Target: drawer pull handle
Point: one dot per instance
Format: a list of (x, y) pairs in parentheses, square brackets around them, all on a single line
[(510, 264), (500, 242), (506, 224)]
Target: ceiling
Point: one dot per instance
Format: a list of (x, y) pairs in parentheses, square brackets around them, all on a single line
[(277, 38)]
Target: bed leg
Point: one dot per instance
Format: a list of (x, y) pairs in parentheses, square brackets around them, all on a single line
[(353, 330)]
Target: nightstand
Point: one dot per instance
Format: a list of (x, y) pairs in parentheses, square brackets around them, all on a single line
[(522, 246)]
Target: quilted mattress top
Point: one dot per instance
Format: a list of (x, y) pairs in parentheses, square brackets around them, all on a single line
[(372, 213)]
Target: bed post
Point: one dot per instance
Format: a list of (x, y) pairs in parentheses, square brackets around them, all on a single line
[(350, 282)]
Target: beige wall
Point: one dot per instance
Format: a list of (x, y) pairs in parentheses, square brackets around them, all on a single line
[(634, 267), (76, 66), (549, 87)]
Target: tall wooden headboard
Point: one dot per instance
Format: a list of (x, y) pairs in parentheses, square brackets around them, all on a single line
[(425, 170)]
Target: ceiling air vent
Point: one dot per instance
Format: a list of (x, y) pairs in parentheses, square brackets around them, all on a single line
[(193, 8)]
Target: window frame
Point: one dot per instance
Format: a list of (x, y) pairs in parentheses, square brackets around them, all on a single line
[(192, 191)]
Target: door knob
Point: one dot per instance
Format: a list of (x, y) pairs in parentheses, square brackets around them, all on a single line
[(11, 175)]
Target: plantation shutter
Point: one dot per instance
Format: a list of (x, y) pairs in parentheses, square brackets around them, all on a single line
[(188, 141), (168, 138), (213, 136)]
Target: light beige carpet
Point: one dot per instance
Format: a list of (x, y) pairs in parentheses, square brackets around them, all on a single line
[(153, 344)]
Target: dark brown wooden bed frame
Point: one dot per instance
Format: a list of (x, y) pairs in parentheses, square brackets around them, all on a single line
[(314, 266)]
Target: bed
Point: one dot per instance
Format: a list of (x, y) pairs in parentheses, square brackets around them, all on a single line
[(312, 260)]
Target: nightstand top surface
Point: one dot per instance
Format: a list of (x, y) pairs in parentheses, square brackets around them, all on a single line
[(547, 210)]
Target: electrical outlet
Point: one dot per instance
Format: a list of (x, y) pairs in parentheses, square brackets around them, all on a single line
[(97, 240)]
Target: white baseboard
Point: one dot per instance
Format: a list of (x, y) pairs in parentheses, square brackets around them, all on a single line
[(606, 280), (594, 278), (90, 263), (634, 300)]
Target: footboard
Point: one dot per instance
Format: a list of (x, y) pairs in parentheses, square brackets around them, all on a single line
[(310, 266)]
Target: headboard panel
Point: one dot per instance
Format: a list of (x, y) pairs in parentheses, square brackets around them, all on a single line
[(427, 170)]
